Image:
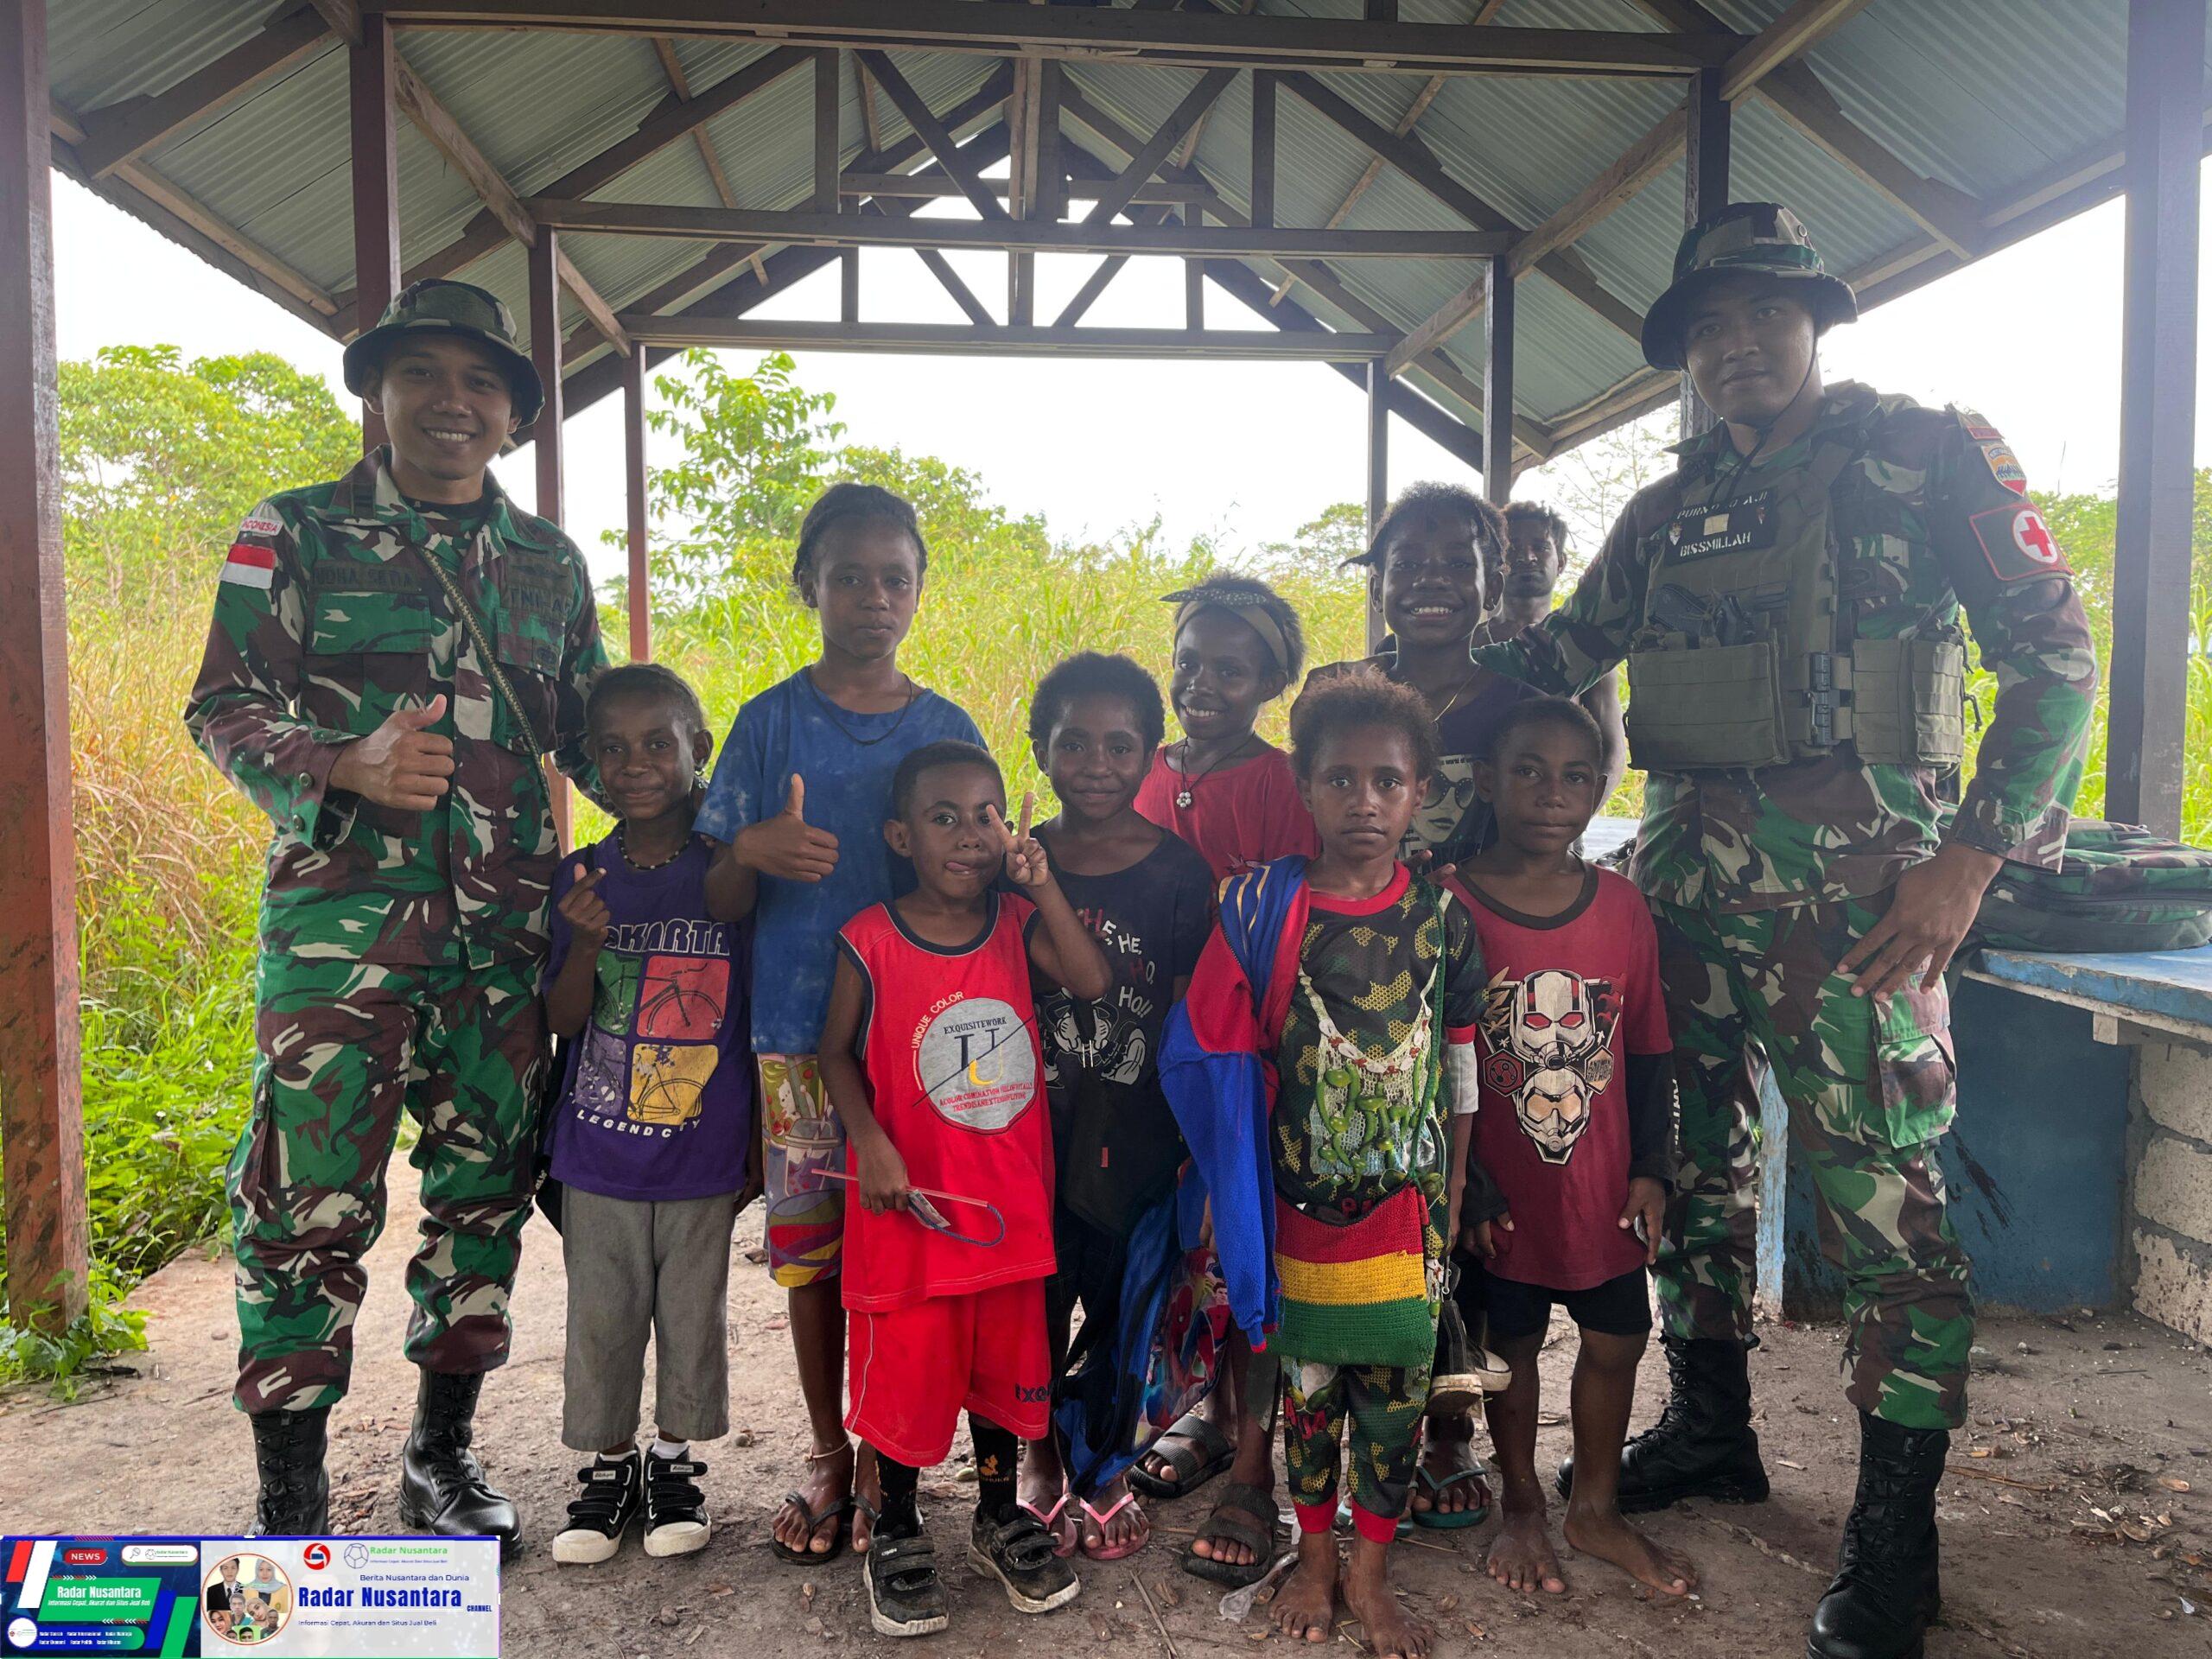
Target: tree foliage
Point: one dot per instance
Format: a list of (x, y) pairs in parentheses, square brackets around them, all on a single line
[(161, 458)]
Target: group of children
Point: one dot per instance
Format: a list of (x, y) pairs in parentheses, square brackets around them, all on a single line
[(1363, 998)]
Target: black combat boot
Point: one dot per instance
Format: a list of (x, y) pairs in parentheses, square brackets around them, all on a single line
[(288, 1447), (1703, 1445), (441, 1485), (1885, 1589)]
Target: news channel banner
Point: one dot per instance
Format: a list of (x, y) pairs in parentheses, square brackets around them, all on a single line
[(377, 1598)]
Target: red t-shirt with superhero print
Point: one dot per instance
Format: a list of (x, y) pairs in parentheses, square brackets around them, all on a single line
[(1569, 997), (955, 1075)]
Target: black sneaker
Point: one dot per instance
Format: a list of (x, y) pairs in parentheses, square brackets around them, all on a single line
[(602, 1513), (1019, 1554), (676, 1510)]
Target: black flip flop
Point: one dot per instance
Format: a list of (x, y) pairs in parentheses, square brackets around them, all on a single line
[(841, 1511), (1204, 1453), (904, 1596), (1244, 1515)]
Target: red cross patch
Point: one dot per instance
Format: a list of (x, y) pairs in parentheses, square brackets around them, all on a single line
[(2017, 543)]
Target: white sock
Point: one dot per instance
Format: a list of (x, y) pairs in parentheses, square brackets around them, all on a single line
[(615, 1457), (670, 1449)]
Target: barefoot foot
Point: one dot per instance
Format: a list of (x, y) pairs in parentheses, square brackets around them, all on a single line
[(1304, 1607), (1521, 1556), (1610, 1538), (1391, 1632)]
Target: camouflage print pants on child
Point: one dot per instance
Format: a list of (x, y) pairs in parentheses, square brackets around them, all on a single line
[(1370, 1413), (345, 1047), (1870, 1086)]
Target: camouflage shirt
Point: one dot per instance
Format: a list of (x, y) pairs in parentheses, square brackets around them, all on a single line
[(1930, 505), (327, 619)]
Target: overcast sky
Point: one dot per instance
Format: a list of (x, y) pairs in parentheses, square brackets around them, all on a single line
[(1244, 452)]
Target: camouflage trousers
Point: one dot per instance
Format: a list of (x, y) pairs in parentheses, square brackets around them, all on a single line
[(1871, 1086), (345, 1048), (1372, 1413)]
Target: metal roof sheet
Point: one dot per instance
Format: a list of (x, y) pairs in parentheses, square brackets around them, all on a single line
[(1981, 96)]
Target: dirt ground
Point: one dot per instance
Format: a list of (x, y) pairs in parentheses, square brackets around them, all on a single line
[(2078, 1520)]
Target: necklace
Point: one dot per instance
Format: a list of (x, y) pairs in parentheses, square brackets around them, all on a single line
[(622, 843), (829, 712), (1452, 702), (1183, 796)]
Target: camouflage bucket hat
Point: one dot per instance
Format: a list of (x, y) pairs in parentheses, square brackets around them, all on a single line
[(442, 306), (1761, 238)]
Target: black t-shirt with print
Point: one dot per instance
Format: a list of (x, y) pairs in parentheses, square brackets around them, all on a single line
[(1113, 1136)]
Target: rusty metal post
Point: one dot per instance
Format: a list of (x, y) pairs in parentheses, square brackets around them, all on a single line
[(376, 187), (41, 1105), (545, 432), (633, 455), (2149, 670), (1705, 192)]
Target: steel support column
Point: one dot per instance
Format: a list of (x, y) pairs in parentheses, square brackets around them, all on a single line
[(1497, 380), (1705, 192), (41, 1106), (545, 434), (370, 68), (2158, 426), (633, 479)]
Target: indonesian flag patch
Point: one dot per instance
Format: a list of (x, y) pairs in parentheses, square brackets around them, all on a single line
[(2017, 543), (251, 561)]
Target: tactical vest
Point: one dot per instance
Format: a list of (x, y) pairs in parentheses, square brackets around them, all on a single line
[(1746, 657)]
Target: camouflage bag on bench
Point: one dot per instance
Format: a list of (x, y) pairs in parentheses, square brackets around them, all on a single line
[(2120, 889)]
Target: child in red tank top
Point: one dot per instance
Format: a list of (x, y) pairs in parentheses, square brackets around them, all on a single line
[(929, 1055)]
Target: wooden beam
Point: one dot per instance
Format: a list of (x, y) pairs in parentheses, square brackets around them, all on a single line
[(670, 120), (680, 84), (123, 131), (933, 188), (1155, 149), (435, 123), (959, 339), (1497, 383), (1634, 168), (635, 503), (1262, 207), (962, 295), (42, 1128), (933, 133), (830, 229), (1378, 451), (829, 141), (373, 69), (1947, 215), (1706, 156), (545, 352), (1373, 171), (870, 117), (1002, 28), (1790, 35), (2154, 530)]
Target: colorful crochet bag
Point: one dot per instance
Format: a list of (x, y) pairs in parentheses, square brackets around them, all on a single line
[(1355, 1294)]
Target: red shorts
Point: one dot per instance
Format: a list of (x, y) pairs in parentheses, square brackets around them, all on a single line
[(912, 1369)]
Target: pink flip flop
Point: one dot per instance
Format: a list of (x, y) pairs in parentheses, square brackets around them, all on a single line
[(1064, 1541), (1113, 1551)]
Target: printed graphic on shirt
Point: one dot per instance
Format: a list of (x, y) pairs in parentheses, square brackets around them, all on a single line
[(975, 1064), (600, 1065), (614, 994), (666, 1081), (1097, 1038), (1450, 796), (682, 997), (1548, 1043)]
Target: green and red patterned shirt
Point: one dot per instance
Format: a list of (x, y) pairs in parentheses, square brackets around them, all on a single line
[(1934, 505), (327, 619)]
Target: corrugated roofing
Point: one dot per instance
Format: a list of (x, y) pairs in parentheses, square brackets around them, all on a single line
[(1984, 96)]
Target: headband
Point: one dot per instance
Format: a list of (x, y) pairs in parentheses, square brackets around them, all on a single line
[(1250, 609)]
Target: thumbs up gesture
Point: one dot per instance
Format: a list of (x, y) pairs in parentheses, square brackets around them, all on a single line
[(584, 911), (786, 846), (402, 764)]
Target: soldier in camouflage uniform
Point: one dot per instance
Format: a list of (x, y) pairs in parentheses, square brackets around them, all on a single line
[(1789, 606), (391, 653)]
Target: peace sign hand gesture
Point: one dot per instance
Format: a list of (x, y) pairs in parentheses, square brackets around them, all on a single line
[(1026, 864)]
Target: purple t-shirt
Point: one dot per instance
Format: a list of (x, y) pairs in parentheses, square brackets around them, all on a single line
[(658, 1100)]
